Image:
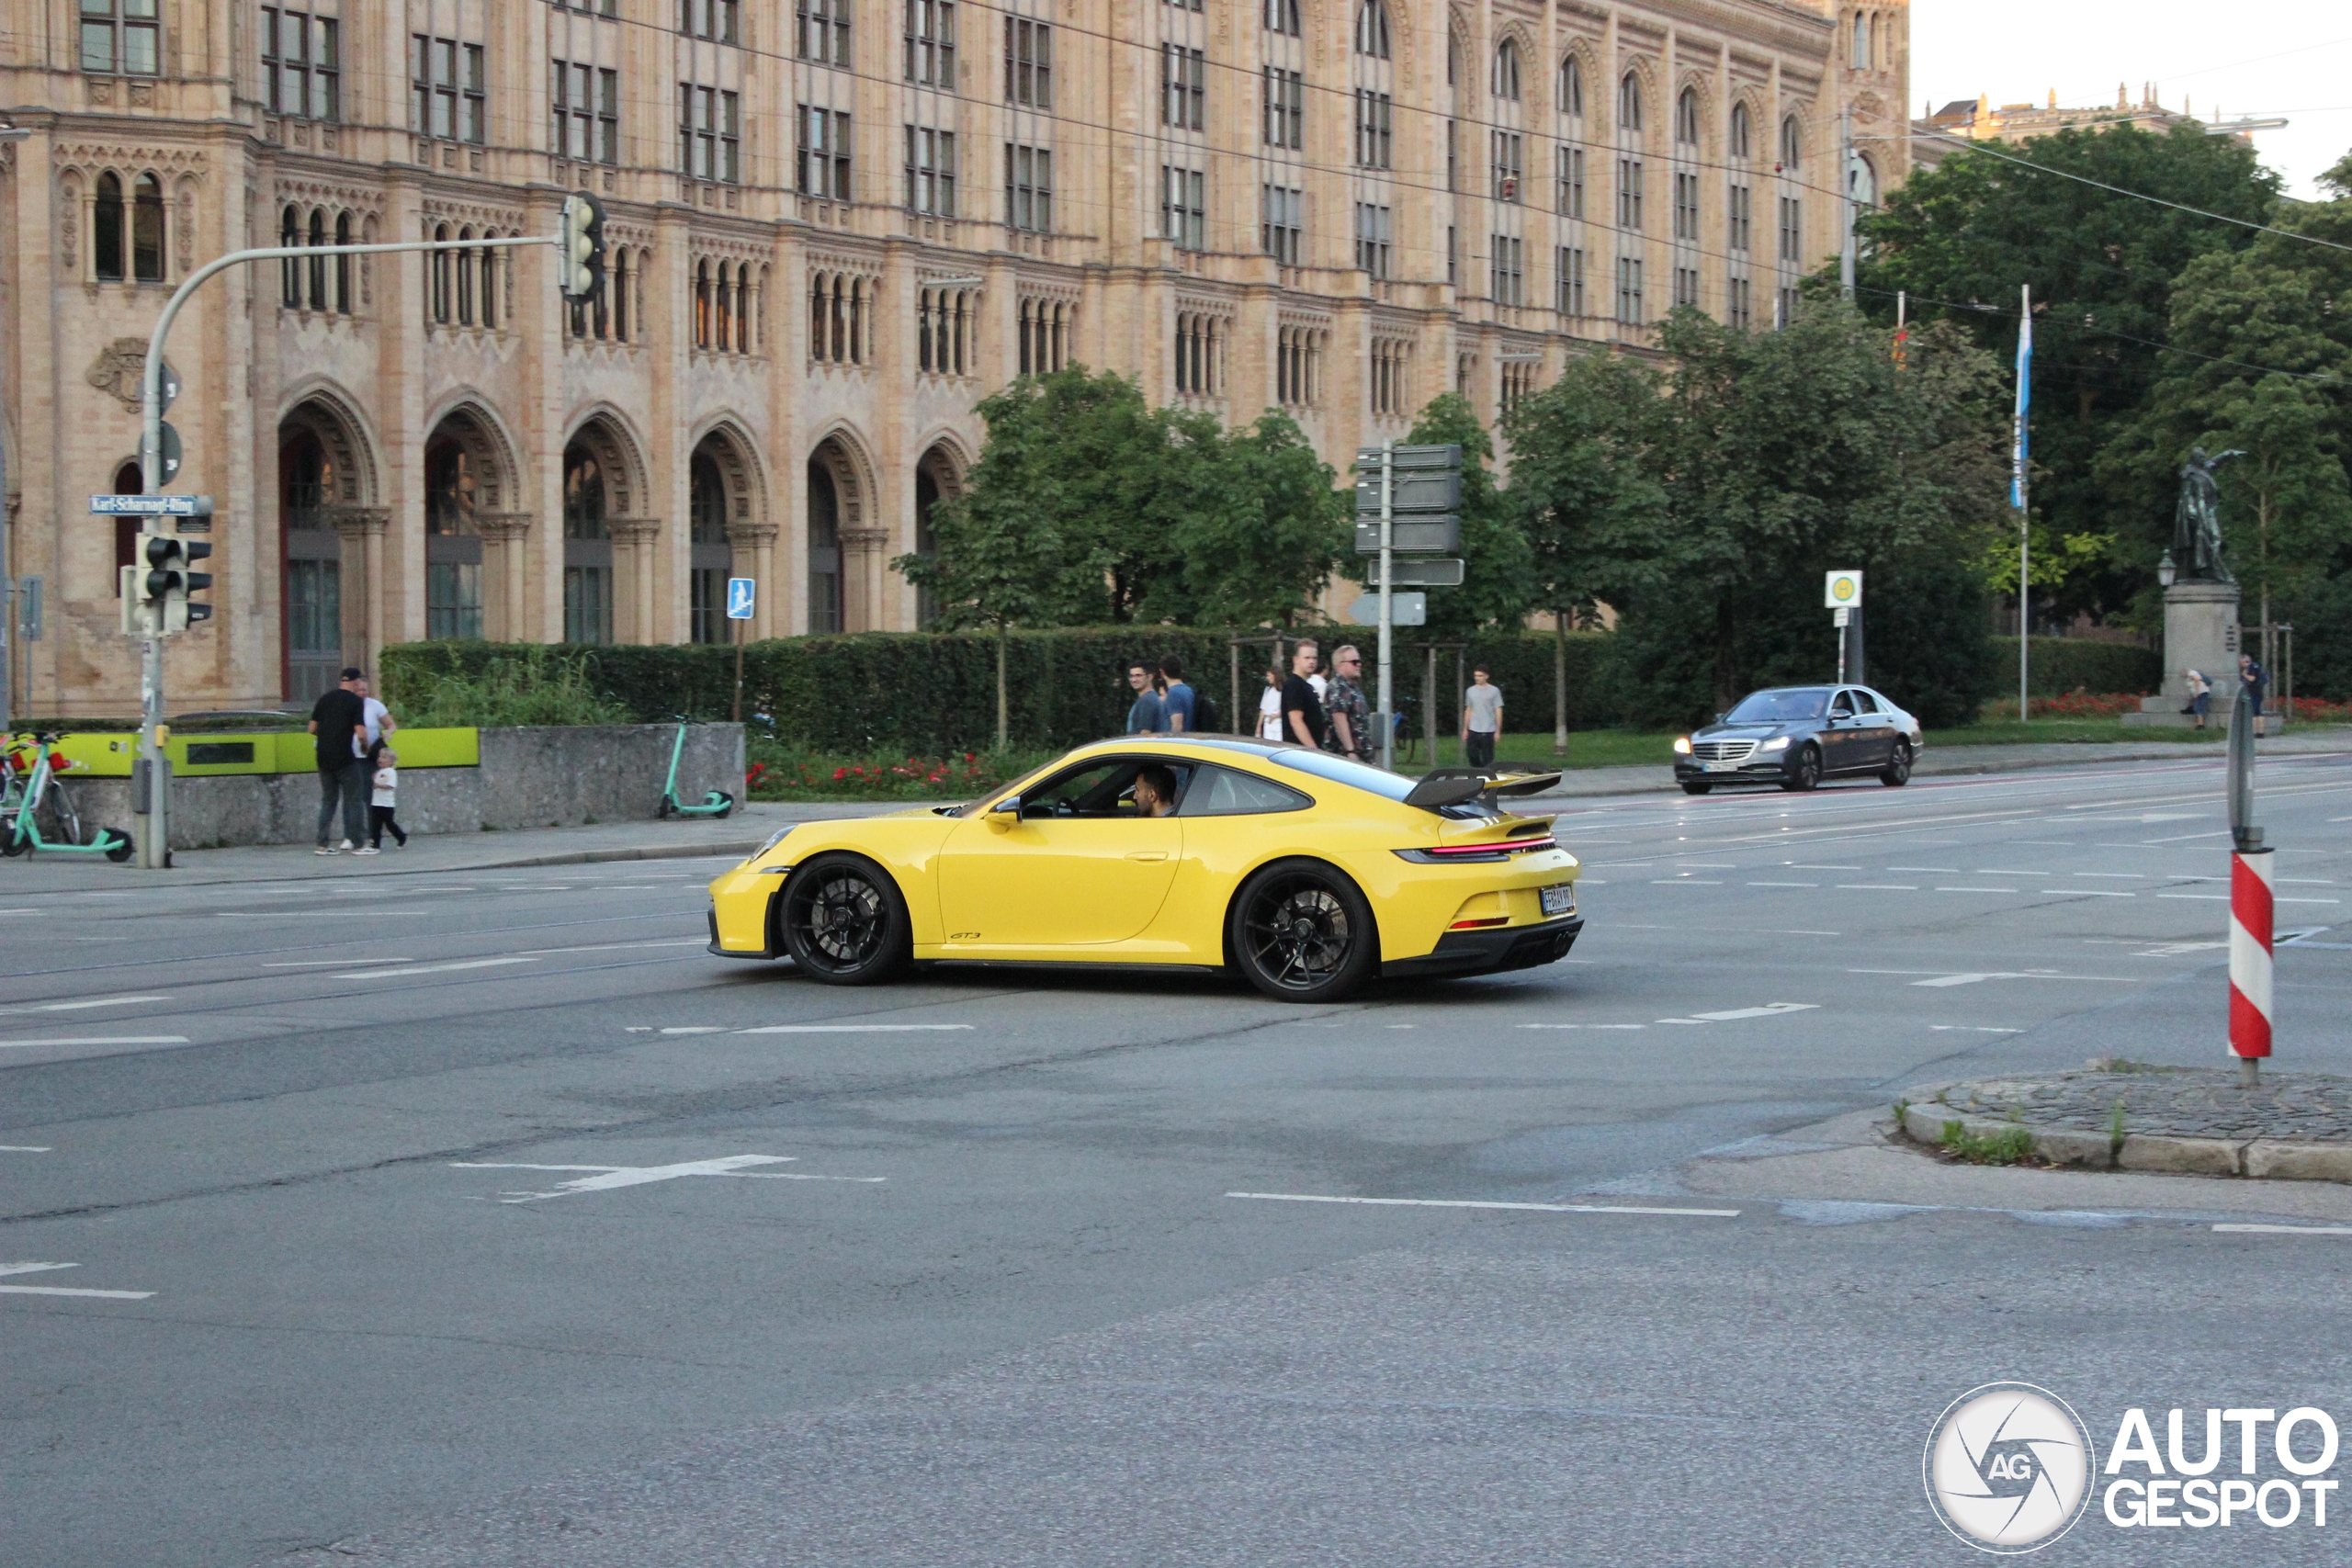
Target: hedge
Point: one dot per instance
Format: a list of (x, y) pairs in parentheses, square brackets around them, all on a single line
[(2057, 665), (934, 692)]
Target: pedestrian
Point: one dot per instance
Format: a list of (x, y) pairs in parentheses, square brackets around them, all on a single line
[(1269, 707), (1303, 720), (2201, 694), (1148, 714), (384, 790), (1344, 703), (2257, 681), (1482, 718), (338, 720), (1176, 695), (378, 719), (1155, 791)]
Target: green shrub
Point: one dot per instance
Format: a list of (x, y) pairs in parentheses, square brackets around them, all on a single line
[(2057, 665), (523, 685)]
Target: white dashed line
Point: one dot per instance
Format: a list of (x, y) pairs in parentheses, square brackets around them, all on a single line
[(2286, 1230), (856, 1028), (93, 1002), (1475, 1203), (104, 1040)]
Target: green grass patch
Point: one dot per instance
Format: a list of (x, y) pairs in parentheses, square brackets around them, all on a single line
[(2008, 1147)]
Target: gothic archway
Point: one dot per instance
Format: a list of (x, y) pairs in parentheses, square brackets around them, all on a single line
[(844, 550), (330, 547)]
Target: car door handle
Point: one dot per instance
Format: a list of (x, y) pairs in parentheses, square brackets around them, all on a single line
[(1148, 854)]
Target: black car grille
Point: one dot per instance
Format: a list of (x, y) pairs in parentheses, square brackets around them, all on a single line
[(1722, 751)]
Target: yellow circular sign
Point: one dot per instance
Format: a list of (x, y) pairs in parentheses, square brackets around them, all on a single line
[(1844, 589)]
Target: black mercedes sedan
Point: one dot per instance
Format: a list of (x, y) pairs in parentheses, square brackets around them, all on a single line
[(1796, 736)]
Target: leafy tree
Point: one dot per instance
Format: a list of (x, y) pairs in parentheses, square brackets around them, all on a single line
[(1260, 529), (1584, 497), (1960, 239)]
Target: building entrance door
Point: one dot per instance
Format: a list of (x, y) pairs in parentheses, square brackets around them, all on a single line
[(313, 564)]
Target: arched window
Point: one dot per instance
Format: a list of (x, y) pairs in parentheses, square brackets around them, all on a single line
[(723, 297), (824, 549), (289, 271), (1571, 87), (1629, 103), (486, 267), (342, 264), (1862, 181), (1685, 117), (1741, 138), (441, 265), (1861, 40), (620, 286), (587, 554), (1791, 143), (147, 230), (452, 542), (317, 266), (702, 304), (1371, 29), (1506, 70), (711, 561), (466, 281), (1453, 58), (106, 241)]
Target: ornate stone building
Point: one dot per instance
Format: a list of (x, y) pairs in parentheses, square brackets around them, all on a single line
[(834, 228)]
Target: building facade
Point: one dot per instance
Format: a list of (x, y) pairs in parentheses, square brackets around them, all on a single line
[(1945, 131), (833, 228)]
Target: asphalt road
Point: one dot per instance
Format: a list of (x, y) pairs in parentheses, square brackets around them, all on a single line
[(484, 1219)]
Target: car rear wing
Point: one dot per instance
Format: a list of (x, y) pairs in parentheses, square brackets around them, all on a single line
[(1451, 786)]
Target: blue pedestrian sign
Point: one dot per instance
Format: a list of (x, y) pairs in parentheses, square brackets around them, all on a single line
[(741, 594)]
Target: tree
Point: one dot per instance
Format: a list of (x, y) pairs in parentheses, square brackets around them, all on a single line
[(1584, 496), (1960, 239), (1259, 530)]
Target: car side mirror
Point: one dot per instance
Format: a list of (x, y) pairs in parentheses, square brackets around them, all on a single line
[(1009, 806), (1719, 718)]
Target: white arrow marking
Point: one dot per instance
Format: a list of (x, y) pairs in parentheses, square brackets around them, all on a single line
[(1770, 1009), (606, 1178)]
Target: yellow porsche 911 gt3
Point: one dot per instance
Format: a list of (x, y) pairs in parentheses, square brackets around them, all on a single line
[(1305, 872)]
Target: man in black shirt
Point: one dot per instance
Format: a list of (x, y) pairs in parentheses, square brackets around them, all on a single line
[(343, 773), (1303, 720)]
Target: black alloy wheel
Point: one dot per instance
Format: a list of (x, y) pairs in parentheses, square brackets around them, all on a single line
[(1301, 933), (1693, 787), (844, 923), (1806, 773), (1898, 767)]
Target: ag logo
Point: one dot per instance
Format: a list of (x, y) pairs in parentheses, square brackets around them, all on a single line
[(2009, 1468)]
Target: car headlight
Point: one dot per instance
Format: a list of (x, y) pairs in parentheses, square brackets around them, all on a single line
[(1777, 743), (773, 840), (1682, 746)]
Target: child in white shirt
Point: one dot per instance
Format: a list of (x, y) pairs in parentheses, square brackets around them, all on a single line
[(385, 789)]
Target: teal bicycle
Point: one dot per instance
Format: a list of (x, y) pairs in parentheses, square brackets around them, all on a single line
[(715, 802), (35, 812)]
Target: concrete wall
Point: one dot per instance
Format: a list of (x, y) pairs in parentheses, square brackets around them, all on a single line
[(547, 777)]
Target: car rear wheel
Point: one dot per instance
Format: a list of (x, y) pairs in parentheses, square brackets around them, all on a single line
[(1806, 772), (1898, 767), (1301, 933), (1692, 787), (845, 923)]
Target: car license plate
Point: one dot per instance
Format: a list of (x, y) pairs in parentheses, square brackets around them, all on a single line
[(1719, 767), (1559, 898)]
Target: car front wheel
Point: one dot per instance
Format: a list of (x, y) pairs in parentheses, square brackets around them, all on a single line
[(1804, 774), (845, 923), (1301, 933), (1898, 767)]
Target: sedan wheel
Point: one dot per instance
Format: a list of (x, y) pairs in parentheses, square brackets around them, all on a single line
[(1806, 774), (844, 921), (1691, 786), (1898, 767), (1301, 933)]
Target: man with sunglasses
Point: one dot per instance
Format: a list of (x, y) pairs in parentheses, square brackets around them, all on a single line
[(1350, 732)]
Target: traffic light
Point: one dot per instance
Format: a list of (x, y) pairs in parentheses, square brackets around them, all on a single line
[(580, 248), (168, 581)]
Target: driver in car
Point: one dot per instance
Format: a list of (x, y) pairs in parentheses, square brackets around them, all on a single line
[(1155, 791)]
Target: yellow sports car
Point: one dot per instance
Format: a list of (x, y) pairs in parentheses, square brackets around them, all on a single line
[(1305, 872)]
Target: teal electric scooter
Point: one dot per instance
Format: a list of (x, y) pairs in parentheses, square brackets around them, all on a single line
[(34, 792), (717, 803)]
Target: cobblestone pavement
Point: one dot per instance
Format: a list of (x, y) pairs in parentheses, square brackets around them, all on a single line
[(2196, 1103)]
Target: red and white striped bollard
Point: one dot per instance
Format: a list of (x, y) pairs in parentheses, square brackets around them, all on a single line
[(2250, 928)]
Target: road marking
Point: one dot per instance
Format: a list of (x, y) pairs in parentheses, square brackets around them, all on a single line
[(113, 1002), (697, 1029), (101, 1039), (332, 963), (1770, 1009), (1684, 882), (1798, 865), (1939, 979), (2004, 871), (2310, 881), (430, 968), (1947, 870), (613, 947), (2286, 1230), (319, 914), (2208, 897), (2090, 893), (25, 1149), (1971, 1029), (1573, 1026), (1476, 1203), (2307, 900), (3, 912), (1980, 889), (2183, 838), (1877, 887), (608, 1178), (1785, 885), (2112, 876), (852, 1028), (59, 1290)]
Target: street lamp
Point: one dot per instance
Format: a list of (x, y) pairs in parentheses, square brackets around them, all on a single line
[(2165, 570), (8, 568)]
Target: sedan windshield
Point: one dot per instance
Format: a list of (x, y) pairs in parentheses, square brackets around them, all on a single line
[(1340, 770), (1780, 706)]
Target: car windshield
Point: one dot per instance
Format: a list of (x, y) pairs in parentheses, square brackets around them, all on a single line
[(1340, 770), (1780, 706)]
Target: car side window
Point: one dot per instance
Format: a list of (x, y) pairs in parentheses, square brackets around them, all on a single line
[(1098, 789), (1842, 706), (1226, 792), (1862, 702)]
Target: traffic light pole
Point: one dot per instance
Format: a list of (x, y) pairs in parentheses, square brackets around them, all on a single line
[(151, 794), (1387, 604)]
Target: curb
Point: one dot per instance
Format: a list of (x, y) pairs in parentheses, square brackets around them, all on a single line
[(2261, 1159)]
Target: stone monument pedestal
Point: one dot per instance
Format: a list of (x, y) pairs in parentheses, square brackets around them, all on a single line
[(2200, 633)]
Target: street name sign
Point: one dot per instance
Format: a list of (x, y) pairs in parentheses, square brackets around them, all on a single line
[(1442, 571), (1404, 610), (1411, 536), (146, 505)]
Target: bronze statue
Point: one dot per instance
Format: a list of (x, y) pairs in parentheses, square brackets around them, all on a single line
[(2197, 520)]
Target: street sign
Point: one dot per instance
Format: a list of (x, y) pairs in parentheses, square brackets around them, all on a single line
[(167, 452), (169, 391), (1842, 615), (1844, 588), (1442, 571), (1411, 536), (146, 505), (1402, 457), (743, 593), (1404, 610), (1437, 492)]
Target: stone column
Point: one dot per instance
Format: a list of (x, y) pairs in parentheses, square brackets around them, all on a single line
[(864, 551), (754, 545), (634, 541), (363, 600), (504, 578)]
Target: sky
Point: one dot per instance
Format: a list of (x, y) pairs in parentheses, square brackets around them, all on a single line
[(2264, 58)]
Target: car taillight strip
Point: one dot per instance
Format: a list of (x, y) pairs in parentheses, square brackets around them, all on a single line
[(1503, 847)]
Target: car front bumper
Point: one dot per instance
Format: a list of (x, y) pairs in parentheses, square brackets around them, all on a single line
[(1494, 950), (1759, 769)]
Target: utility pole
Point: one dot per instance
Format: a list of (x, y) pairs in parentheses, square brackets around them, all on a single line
[(1845, 208), (7, 562), (2018, 495)]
